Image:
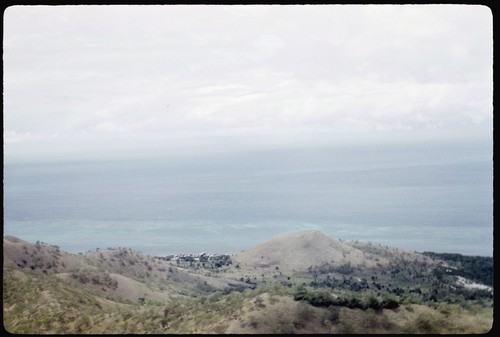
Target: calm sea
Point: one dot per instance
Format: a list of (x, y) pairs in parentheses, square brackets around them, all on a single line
[(436, 197)]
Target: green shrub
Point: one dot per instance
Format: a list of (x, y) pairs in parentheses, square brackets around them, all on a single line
[(390, 302), (372, 302)]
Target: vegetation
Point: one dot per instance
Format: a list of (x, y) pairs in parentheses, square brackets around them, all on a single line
[(121, 291), (323, 298), (475, 268)]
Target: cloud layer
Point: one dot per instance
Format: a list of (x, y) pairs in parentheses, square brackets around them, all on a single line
[(85, 78)]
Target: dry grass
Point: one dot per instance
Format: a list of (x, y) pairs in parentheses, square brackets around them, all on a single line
[(298, 251), (38, 257), (56, 296)]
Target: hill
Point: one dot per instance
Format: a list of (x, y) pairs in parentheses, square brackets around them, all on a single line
[(303, 250), (41, 257), (116, 273), (305, 282), (298, 251)]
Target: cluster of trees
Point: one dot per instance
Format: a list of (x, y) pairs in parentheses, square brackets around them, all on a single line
[(415, 279), (322, 298), (361, 285), (476, 268), (325, 268), (457, 295), (221, 260), (94, 277), (44, 258)]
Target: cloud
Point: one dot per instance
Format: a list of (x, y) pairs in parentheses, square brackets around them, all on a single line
[(132, 76)]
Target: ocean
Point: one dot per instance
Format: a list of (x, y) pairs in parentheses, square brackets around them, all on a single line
[(423, 197)]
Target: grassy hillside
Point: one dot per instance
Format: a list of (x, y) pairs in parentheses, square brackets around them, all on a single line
[(303, 283), (296, 252), (300, 251)]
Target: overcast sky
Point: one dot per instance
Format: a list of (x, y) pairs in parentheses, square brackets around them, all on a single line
[(104, 80)]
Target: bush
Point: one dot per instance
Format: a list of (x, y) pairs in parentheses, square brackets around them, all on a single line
[(354, 302), (426, 323), (301, 294), (320, 298), (330, 316), (390, 302), (303, 314), (373, 302)]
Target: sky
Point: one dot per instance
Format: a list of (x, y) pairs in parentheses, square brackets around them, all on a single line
[(103, 81)]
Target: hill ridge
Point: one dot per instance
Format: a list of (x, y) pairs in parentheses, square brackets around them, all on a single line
[(303, 250), (299, 250)]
